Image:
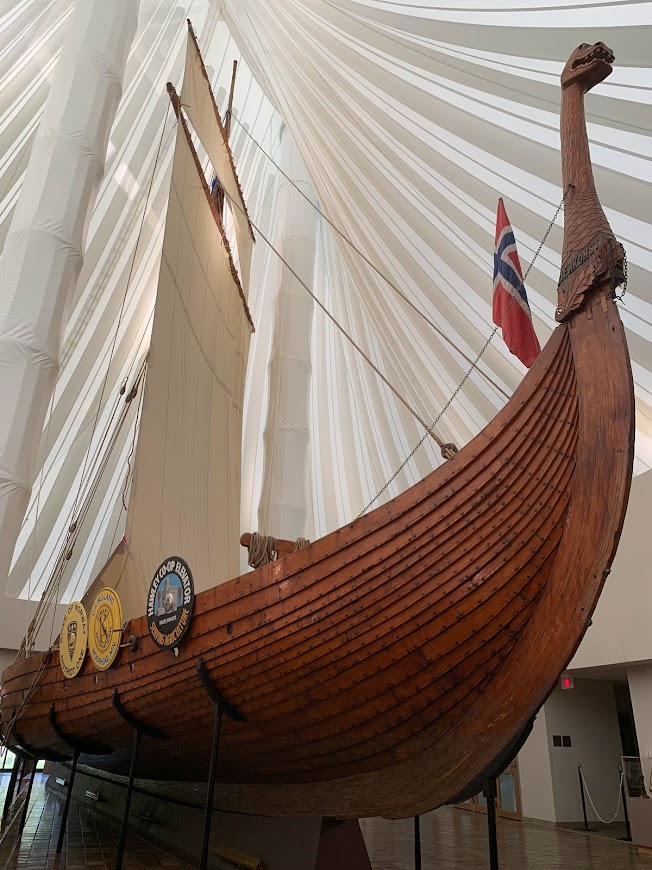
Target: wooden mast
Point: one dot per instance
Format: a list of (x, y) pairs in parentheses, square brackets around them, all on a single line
[(229, 110), (218, 191)]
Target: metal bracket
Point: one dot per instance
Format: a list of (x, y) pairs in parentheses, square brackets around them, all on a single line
[(84, 747), (226, 707), (36, 754), (136, 724)]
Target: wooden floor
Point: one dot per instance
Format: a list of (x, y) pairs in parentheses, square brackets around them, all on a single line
[(451, 840)]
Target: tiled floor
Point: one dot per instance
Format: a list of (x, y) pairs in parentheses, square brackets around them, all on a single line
[(454, 839), (90, 842), (450, 840)]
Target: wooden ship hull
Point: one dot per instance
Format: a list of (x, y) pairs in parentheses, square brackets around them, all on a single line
[(393, 665), (383, 669)]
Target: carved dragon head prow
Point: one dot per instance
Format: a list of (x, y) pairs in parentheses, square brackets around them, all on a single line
[(588, 65), (591, 256)]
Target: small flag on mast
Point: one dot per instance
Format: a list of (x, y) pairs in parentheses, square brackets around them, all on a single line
[(511, 310)]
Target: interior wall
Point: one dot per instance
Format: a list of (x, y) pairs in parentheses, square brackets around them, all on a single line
[(640, 687), (587, 714), (7, 657), (620, 631), (535, 773)]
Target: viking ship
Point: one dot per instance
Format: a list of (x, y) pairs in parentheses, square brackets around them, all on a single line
[(393, 665)]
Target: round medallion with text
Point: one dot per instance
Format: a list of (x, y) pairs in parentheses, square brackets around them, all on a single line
[(73, 640), (105, 628), (169, 602)]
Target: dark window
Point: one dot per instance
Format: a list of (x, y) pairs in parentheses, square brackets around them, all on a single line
[(565, 740), (556, 739)]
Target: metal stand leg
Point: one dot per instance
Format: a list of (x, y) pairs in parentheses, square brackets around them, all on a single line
[(11, 788), (66, 806), (125, 813), (23, 818), (220, 706), (210, 792), (78, 746), (140, 728), (586, 820), (21, 771), (417, 844), (490, 794), (628, 827)]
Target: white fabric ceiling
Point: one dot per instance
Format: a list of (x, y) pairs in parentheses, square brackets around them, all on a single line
[(411, 119)]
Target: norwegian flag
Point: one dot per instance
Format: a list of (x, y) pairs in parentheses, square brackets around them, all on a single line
[(515, 318)]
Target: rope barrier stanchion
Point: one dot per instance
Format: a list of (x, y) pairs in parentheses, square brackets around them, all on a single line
[(581, 779), (628, 827), (584, 790)]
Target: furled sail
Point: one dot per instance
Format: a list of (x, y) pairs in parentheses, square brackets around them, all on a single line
[(185, 497), (199, 104)]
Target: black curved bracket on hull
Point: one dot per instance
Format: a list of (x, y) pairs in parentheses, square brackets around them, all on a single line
[(33, 752), (83, 747), (140, 728), (226, 707), (497, 766), (221, 707)]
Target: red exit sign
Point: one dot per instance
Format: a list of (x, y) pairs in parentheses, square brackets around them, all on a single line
[(567, 683)]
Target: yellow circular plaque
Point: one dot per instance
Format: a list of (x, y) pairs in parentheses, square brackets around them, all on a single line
[(105, 628), (73, 640)]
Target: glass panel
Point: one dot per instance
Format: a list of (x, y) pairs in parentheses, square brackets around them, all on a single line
[(40, 765), (507, 792), (481, 799), (6, 759)]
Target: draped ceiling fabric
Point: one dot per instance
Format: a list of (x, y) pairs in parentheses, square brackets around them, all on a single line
[(412, 119)]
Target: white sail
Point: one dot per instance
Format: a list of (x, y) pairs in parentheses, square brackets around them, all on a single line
[(185, 498), (199, 105)]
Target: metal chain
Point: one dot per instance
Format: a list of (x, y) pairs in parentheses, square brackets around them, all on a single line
[(473, 364)]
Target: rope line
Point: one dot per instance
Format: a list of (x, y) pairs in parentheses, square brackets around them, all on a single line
[(429, 430), (620, 796), (372, 265), (91, 475), (473, 365)]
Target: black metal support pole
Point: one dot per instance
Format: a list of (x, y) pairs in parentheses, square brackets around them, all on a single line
[(417, 844), (140, 728), (11, 788), (490, 793), (23, 818), (66, 806), (623, 791), (221, 706), (125, 812), (210, 789), (579, 774), (21, 771)]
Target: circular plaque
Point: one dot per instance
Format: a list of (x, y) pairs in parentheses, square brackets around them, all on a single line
[(169, 602), (73, 640), (105, 628)]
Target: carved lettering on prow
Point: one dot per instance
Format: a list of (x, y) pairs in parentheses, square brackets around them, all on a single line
[(598, 265)]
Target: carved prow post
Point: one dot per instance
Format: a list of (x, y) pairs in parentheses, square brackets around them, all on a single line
[(591, 255)]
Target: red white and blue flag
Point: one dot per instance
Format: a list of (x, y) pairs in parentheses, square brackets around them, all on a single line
[(511, 310)]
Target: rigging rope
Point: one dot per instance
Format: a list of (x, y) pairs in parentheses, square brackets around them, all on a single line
[(372, 265), (466, 376), (88, 484), (262, 550), (429, 430)]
